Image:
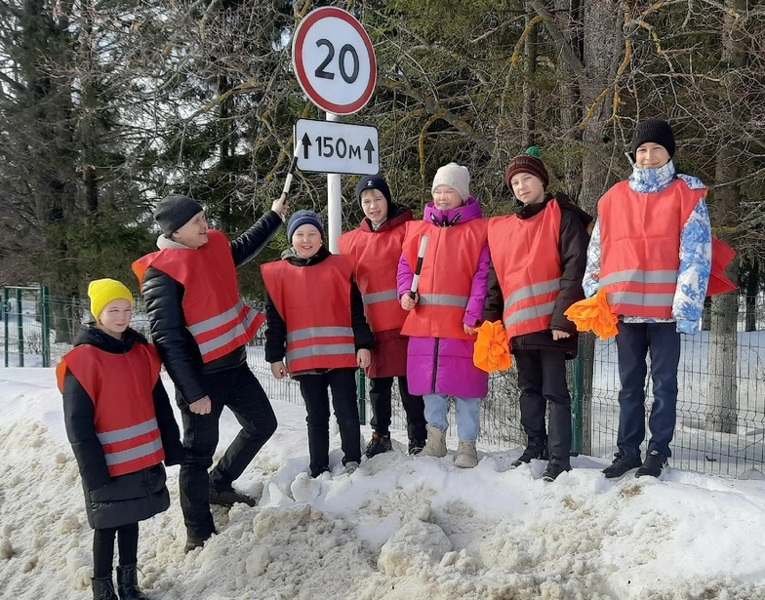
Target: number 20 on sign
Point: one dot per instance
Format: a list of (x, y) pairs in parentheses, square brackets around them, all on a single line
[(334, 61)]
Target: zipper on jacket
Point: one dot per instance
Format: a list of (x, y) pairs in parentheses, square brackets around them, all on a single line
[(435, 366)]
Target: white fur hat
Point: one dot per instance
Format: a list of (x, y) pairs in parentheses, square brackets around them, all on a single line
[(455, 176)]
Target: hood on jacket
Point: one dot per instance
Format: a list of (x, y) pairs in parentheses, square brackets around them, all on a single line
[(453, 216), (293, 258), (90, 334)]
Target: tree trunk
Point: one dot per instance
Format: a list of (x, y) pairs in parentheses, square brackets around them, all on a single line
[(722, 413), (752, 288)]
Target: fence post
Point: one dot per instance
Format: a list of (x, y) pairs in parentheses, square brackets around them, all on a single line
[(361, 395), (20, 327), (45, 324), (577, 397), (6, 316)]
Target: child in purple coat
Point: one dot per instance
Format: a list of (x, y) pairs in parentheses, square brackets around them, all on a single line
[(446, 309)]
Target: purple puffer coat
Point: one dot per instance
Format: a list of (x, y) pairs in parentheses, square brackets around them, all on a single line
[(445, 365)]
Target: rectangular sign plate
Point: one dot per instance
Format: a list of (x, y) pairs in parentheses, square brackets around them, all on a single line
[(334, 147)]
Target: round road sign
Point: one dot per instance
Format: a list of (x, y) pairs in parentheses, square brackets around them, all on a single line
[(334, 60)]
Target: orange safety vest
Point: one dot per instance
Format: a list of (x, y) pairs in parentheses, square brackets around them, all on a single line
[(450, 263), (527, 262), (375, 258), (315, 304), (121, 388), (215, 315), (640, 246)]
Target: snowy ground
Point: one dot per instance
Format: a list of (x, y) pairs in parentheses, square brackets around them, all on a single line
[(397, 529)]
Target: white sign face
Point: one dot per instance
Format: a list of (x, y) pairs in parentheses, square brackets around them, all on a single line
[(334, 147), (334, 61)]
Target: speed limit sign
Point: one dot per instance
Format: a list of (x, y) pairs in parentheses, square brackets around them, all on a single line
[(334, 61)]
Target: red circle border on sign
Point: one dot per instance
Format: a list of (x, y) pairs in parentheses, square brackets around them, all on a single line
[(302, 30)]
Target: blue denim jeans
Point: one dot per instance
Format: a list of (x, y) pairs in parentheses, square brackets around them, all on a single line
[(468, 421), (633, 342)]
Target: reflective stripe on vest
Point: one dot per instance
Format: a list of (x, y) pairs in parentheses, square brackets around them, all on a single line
[(535, 289), (382, 296), (114, 459), (318, 332), (126, 433), (240, 329), (218, 320), (444, 300)]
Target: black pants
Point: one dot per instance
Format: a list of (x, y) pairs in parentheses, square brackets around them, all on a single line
[(103, 548), (542, 381), (633, 342), (414, 407), (239, 390), (314, 389)]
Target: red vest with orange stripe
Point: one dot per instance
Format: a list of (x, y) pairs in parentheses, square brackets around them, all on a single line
[(375, 256), (315, 303), (640, 246), (121, 387), (528, 265), (215, 315), (450, 263)]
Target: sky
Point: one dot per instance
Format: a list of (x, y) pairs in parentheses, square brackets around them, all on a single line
[(398, 528)]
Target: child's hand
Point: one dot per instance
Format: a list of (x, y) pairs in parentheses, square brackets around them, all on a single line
[(203, 406), (468, 329), (408, 303), (363, 358), (280, 206), (279, 370), (560, 335)]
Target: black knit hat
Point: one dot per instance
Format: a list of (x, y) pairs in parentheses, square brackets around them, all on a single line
[(656, 131), (373, 182), (528, 163), (303, 217), (173, 212)]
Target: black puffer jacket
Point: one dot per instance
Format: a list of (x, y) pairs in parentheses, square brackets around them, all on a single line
[(276, 332), (164, 297), (573, 251), (129, 498)]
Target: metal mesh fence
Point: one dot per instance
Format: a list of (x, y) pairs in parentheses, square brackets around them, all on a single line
[(712, 436)]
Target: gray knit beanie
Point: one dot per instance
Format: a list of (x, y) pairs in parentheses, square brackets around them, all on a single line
[(174, 211)]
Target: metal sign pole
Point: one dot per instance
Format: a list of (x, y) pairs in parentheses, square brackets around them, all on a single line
[(334, 205)]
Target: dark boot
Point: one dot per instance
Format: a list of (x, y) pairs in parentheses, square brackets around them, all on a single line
[(230, 497), (654, 463), (536, 448), (555, 466), (127, 584), (378, 445), (415, 446), (621, 465), (103, 588)]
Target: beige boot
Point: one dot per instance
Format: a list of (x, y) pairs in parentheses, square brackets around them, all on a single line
[(436, 444), (466, 455)]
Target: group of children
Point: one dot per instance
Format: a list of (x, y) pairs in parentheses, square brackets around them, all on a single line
[(403, 300)]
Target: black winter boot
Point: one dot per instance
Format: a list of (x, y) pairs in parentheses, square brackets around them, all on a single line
[(378, 445), (127, 584), (555, 466), (621, 465), (103, 588), (536, 448)]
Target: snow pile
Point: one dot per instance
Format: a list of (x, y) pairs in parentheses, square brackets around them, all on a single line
[(396, 529)]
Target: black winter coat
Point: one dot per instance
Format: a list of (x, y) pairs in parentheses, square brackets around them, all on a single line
[(177, 348), (276, 331), (572, 246), (116, 501)]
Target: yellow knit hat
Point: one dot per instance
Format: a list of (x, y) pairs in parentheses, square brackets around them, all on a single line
[(103, 291)]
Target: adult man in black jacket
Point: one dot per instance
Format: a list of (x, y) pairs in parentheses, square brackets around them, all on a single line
[(207, 381)]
